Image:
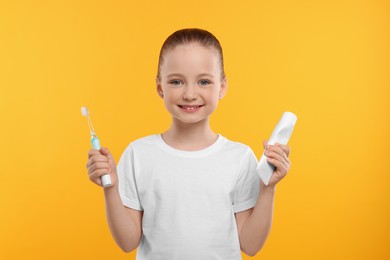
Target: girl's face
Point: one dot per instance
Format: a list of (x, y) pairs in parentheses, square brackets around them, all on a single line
[(190, 82)]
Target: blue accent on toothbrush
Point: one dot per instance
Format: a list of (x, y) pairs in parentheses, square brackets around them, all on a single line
[(95, 143)]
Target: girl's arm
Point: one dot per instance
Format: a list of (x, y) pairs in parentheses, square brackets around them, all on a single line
[(125, 223), (256, 227)]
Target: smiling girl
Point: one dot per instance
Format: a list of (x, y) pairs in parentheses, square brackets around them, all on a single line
[(189, 193)]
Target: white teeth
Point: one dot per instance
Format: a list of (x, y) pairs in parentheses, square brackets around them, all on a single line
[(190, 108)]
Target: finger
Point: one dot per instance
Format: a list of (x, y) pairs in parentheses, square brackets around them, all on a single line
[(285, 148), (99, 182), (96, 158), (278, 157), (93, 178), (99, 165), (111, 159), (98, 173), (92, 152), (106, 152), (278, 164), (265, 143), (281, 168), (286, 163), (99, 158), (278, 150)]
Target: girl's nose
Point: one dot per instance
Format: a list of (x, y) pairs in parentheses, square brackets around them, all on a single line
[(190, 93)]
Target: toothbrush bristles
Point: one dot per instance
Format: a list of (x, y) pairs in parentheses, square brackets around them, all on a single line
[(85, 112)]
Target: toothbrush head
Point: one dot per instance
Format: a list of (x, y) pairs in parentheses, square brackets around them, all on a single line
[(84, 111)]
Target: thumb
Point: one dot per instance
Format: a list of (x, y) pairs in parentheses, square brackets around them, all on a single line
[(106, 152), (265, 143), (110, 158)]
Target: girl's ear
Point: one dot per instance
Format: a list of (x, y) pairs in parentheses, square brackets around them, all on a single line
[(159, 88), (223, 88)]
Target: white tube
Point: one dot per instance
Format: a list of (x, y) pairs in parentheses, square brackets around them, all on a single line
[(281, 134)]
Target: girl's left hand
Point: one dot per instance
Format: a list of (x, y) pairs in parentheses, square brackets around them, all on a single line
[(278, 156)]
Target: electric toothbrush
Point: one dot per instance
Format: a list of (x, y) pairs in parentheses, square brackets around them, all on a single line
[(106, 179)]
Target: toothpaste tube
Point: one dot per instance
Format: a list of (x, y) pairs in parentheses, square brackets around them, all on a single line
[(281, 135)]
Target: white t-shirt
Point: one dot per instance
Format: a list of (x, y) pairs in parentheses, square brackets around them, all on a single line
[(188, 197)]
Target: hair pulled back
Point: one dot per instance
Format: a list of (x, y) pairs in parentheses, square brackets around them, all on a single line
[(187, 36)]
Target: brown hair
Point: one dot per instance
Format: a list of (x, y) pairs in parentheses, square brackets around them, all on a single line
[(187, 36)]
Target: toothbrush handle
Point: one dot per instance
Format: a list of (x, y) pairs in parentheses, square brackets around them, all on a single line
[(106, 179)]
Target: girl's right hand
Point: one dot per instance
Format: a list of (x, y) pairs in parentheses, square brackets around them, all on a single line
[(101, 162)]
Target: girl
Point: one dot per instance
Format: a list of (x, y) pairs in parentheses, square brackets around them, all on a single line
[(189, 193)]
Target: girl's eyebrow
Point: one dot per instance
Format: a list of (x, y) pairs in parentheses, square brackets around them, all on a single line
[(174, 74), (180, 75), (206, 74)]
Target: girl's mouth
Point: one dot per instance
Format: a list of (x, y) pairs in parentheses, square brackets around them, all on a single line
[(190, 108)]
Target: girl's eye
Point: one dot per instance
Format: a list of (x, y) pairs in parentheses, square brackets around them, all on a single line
[(175, 82), (204, 82)]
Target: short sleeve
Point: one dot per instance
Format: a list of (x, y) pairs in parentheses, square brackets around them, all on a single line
[(248, 183), (127, 180)]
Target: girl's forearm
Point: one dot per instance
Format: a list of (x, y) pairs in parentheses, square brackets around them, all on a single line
[(121, 224), (258, 225)]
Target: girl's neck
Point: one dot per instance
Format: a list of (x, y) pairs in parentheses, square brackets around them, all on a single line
[(189, 137)]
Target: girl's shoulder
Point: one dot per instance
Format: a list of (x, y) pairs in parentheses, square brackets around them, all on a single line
[(237, 146), (141, 143)]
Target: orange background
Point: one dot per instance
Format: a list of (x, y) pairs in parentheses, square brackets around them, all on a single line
[(326, 61)]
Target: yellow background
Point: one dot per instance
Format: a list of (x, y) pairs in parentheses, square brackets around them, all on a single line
[(326, 61)]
